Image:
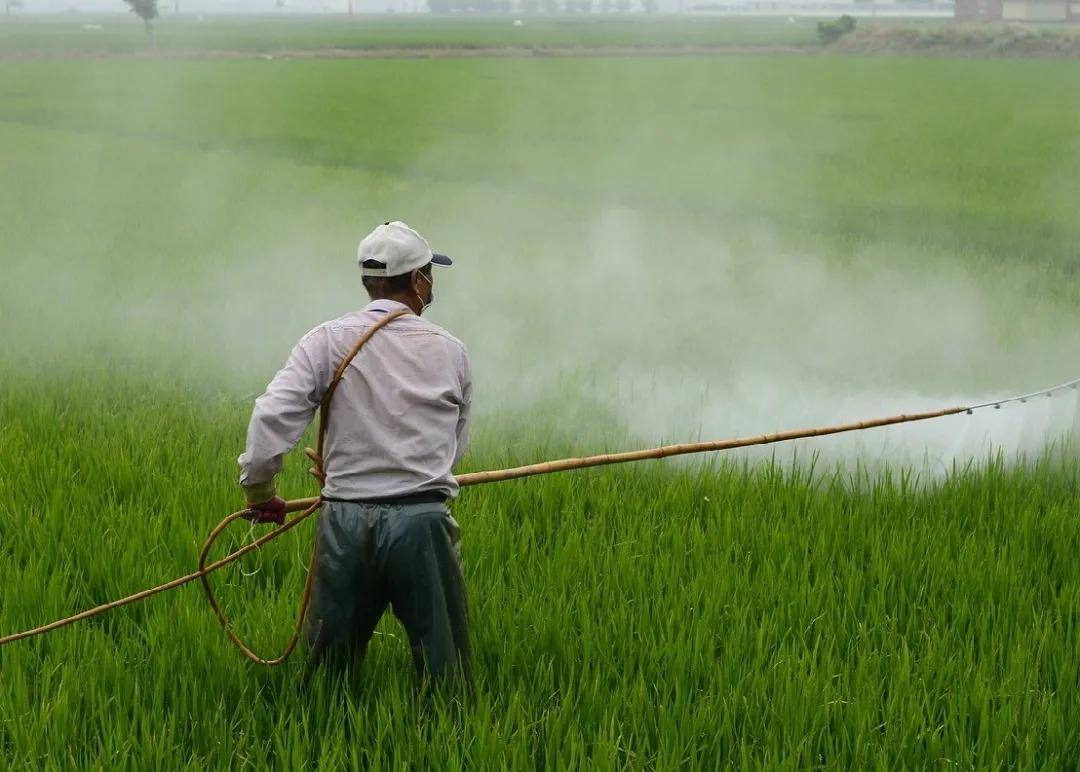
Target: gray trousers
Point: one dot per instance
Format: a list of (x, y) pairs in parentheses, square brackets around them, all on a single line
[(405, 556)]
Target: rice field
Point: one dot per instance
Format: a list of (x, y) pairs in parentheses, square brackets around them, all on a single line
[(119, 34), (900, 230)]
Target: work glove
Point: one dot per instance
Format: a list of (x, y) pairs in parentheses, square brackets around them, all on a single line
[(264, 506), (272, 511)]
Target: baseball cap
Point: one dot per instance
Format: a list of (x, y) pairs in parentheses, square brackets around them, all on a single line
[(394, 248)]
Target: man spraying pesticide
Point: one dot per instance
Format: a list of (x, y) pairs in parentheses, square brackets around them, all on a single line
[(398, 425), (400, 422)]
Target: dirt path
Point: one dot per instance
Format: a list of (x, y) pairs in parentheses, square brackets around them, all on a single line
[(944, 41)]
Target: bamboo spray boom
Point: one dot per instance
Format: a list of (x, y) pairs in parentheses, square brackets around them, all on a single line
[(664, 451), (308, 507)]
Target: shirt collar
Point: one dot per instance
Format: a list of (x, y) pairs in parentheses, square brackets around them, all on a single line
[(385, 306)]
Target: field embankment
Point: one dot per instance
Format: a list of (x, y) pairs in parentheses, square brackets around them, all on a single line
[(1011, 40)]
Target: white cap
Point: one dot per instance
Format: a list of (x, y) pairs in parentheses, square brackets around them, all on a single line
[(396, 249)]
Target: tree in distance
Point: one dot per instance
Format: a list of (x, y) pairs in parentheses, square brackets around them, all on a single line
[(147, 10), (831, 31)]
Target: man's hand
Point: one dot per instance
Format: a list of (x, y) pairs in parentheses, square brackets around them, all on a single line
[(264, 505), (271, 511)]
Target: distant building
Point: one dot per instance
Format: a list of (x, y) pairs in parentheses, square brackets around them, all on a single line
[(1041, 10), (1018, 10)]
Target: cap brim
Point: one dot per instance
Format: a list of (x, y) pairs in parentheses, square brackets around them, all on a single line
[(441, 259)]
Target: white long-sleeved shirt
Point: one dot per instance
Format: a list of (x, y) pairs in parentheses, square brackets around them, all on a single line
[(399, 419)]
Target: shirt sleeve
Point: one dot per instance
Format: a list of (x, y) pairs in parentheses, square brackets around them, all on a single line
[(465, 408), (285, 409)]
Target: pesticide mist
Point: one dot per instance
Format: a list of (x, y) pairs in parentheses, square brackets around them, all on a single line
[(684, 280)]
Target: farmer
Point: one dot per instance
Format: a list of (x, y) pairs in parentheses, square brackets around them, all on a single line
[(398, 424)]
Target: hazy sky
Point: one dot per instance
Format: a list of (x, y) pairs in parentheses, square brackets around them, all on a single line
[(214, 6), (292, 6)]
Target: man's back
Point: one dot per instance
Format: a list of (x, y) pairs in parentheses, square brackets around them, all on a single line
[(399, 417)]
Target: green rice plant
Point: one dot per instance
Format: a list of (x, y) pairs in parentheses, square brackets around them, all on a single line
[(721, 612)]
